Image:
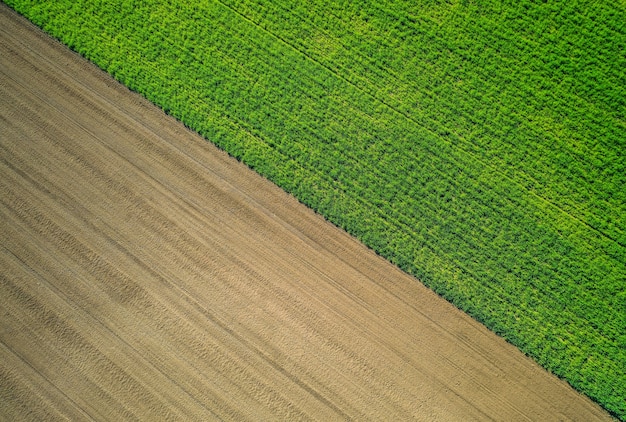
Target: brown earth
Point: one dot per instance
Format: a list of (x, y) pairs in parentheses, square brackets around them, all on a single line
[(145, 274)]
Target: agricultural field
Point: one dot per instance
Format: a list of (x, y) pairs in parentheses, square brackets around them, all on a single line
[(479, 149), (147, 275)]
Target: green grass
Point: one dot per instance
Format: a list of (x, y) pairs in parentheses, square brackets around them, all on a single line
[(482, 149)]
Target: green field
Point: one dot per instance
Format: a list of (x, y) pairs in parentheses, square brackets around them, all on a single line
[(481, 148)]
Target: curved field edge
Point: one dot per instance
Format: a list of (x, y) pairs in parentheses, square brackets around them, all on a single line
[(529, 269)]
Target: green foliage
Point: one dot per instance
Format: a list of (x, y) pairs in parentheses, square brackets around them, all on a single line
[(479, 148)]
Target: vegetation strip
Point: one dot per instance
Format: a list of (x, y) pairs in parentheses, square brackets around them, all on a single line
[(478, 149)]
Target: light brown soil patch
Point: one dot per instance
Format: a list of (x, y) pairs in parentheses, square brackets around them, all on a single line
[(145, 274)]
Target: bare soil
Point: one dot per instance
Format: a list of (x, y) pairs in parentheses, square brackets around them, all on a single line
[(144, 274)]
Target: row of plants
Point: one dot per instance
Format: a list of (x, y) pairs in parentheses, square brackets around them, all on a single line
[(444, 139)]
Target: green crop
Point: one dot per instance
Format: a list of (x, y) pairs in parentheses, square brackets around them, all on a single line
[(480, 147)]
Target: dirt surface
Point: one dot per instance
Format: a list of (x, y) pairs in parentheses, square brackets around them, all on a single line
[(145, 274)]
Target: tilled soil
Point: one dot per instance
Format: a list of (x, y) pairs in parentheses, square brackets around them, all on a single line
[(144, 274)]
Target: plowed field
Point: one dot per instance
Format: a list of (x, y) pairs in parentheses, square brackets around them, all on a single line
[(144, 274)]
